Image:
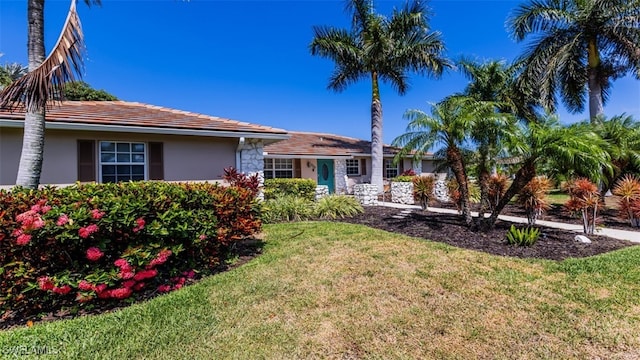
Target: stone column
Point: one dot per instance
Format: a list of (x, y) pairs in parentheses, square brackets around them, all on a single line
[(367, 194), (252, 160), (402, 192), (340, 166)]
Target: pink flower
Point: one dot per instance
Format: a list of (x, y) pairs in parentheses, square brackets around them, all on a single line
[(121, 263), (84, 285), (164, 288), (121, 293), (140, 225), (129, 283), (203, 237), (36, 208), (161, 258), (104, 294), (45, 209), (145, 274), (97, 214), (177, 286), (94, 254), (23, 239), (63, 290), (126, 275), (45, 283), (138, 286), (62, 220), (85, 232), (189, 274), (100, 288), (38, 223)]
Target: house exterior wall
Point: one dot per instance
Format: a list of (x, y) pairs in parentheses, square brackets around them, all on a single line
[(310, 171), (185, 157)]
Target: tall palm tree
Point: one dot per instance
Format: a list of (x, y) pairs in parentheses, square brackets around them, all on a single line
[(578, 47), (572, 146), (45, 78), (382, 49), (446, 128)]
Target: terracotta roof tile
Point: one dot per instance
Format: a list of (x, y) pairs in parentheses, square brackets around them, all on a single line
[(311, 143), (125, 113)]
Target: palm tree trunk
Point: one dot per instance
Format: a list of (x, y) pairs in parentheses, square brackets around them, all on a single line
[(457, 167), (596, 105), (525, 174), (483, 179), (34, 123), (376, 134)]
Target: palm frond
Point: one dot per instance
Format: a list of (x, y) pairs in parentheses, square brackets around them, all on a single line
[(64, 64)]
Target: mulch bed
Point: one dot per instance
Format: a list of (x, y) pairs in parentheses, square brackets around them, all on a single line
[(553, 244)]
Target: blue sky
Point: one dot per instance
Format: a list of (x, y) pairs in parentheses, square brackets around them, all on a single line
[(249, 60)]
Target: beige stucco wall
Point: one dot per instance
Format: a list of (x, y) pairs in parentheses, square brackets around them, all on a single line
[(309, 172), (185, 157)]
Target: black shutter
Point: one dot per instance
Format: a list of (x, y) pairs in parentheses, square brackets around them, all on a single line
[(363, 166), (156, 161), (86, 160), (297, 168)]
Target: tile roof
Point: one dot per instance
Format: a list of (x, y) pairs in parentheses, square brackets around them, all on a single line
[(310, 143), (124, 113)]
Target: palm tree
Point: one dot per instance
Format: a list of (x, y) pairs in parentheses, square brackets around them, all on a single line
[(579, 47), (10, 73), (576, 146), (448, 128), (45, 78), (622, 137), (382, 49)]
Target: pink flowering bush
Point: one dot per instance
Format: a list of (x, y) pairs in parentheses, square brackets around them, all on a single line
[(113, 242)]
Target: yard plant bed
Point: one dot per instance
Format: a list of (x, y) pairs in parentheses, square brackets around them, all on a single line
[(553, 244)]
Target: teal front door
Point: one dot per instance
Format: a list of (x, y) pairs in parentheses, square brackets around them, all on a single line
[(325, 174)]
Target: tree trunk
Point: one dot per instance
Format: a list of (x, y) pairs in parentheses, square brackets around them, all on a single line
[(457, 167), (483, 179), (525, 174), (377, 160), (596, 104), (34, 123)]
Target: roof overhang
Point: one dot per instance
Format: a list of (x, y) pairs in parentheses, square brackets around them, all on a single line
[(60, 125), (294, 156)]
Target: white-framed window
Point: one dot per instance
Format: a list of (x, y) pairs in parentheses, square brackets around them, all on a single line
[(353, 167), (122, 161), (278, 168), (390, 170)]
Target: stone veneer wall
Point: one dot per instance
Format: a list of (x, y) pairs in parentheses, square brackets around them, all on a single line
[(402, 192), (340, 166), (321, 191), (252, 160), (366, 194), (440, 191)]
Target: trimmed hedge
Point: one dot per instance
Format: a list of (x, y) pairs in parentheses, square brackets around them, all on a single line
[(302, 188), (106, 242)]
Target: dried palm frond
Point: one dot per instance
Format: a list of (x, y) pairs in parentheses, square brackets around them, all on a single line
[(64, 64)]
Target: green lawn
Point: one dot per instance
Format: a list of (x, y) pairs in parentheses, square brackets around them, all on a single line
[(330, 290)]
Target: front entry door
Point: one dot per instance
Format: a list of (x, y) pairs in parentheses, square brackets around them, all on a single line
[(325, 174)]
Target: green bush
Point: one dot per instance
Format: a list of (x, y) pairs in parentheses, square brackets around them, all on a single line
[(303, 188), (522, 237), (403, 178), (286, 208), (106, 242), (337, 206)]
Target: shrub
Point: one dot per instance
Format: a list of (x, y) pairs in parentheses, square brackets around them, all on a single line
[(454, 192), (423, 189), (286, 208), (584, 198), (496, 187), (533, 198), (108, 242), (408, 172), (304, 188), (337, 206), (522, 237), (403, 178), (628, 189)]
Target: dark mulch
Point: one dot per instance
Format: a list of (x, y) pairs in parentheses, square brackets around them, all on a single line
[(553, 244)]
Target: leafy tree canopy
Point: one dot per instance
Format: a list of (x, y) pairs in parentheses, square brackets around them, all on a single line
[(81, 91)]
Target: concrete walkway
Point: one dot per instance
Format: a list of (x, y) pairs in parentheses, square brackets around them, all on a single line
[(633, 236)]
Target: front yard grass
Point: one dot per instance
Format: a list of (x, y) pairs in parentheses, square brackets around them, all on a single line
[(334, 290)]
